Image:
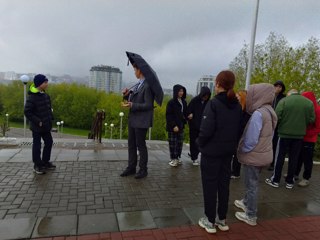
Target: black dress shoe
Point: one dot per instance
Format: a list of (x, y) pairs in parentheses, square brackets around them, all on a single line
[(141, 174), (128, 172)]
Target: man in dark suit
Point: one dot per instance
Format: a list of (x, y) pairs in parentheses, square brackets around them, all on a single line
[(140, 102)]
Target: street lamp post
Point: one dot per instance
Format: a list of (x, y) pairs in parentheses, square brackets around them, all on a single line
[(7, 127), (25, 79), (121, 114), (105, 129), (111, 126), (61, 126), (150, 128), (253, 37), (58, 124)]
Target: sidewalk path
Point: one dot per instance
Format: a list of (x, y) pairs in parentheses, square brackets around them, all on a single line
[(86, 196)]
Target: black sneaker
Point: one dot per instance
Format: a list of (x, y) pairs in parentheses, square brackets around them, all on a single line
[(49, 166), (38, 170)]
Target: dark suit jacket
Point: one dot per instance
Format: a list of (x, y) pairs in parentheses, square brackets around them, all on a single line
[(141, 112)]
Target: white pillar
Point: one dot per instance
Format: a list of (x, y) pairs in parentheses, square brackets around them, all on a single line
[(253, 37)]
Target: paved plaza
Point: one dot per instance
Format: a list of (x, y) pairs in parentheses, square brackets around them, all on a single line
[(86, 197)]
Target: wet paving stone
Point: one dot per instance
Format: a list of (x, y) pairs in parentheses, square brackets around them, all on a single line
[(16, 228), (55, 226), (97, 223), (170, 217), (135, 220)]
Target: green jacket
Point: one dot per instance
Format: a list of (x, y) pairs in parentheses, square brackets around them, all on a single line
[(295, 113)]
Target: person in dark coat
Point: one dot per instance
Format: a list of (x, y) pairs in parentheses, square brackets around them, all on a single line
[(279, 88), (195, 110), (176, 115), (218, 140), (140, 102), (38, 111)]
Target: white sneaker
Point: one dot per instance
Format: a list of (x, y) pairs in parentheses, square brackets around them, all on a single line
[(174, 163), (234, 177), (195, 163), (240, 204), (303, 183), (221, 224), (179, 161), (208, 226), (242, 216)]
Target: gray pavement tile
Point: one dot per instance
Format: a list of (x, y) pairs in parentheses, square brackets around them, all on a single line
[(16, 228), (266, 211), (301, 208), (194, 213), (170, 217), (6, 154), (55, 226), (135, 220), (67, 155), (97, 223)]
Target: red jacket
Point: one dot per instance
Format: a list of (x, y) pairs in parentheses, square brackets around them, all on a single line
[(313, 129)]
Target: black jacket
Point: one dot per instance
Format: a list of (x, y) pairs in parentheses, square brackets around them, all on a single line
[(175, 115), (280, 95), (196, 107), (38, 109), (220, 126)]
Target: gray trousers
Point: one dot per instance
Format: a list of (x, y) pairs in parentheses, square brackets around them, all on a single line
[(251, 181), (137, 141)]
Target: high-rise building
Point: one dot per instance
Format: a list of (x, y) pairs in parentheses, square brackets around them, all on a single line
[(206, 80), (105, 78)]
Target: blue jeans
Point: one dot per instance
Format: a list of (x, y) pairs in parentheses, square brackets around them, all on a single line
[(251, 180)]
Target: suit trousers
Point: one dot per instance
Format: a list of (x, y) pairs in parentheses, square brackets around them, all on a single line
[(36, 148), (215, 173), (137, 141)]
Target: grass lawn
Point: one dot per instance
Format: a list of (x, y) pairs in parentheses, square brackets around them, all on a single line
[(66, 130)]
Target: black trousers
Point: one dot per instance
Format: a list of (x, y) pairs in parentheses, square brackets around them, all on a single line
[(306, 158), (36, 148), (274, 146), (292, 147), (194, 150), (215, 173), (236, 166), (137, 141)]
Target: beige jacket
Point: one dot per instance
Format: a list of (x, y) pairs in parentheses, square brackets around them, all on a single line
[(259, 98)]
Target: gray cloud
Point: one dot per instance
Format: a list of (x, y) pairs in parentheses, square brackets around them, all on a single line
[(181, 39)]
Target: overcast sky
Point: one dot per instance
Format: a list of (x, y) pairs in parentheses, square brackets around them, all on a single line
[(181, 39)]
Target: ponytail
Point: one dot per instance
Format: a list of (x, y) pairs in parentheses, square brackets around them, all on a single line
[(231, 94)]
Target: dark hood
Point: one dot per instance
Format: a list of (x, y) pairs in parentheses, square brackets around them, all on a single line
[(279, 82), (230, 103), (176, 89), (205, 91)]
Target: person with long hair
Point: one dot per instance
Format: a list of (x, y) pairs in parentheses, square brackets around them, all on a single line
[(218, 140), (236, 166)]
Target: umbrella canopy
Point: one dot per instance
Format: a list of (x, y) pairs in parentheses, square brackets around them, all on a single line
[(149, 74)]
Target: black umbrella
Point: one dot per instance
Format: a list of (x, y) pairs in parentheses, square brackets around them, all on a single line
[(149, 74)]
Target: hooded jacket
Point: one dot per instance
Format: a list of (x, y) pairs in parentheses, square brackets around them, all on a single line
[(255, 146), (220, 126), (313, 129), (38, 109), (176, 113), (281, 95), (196, 108)]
